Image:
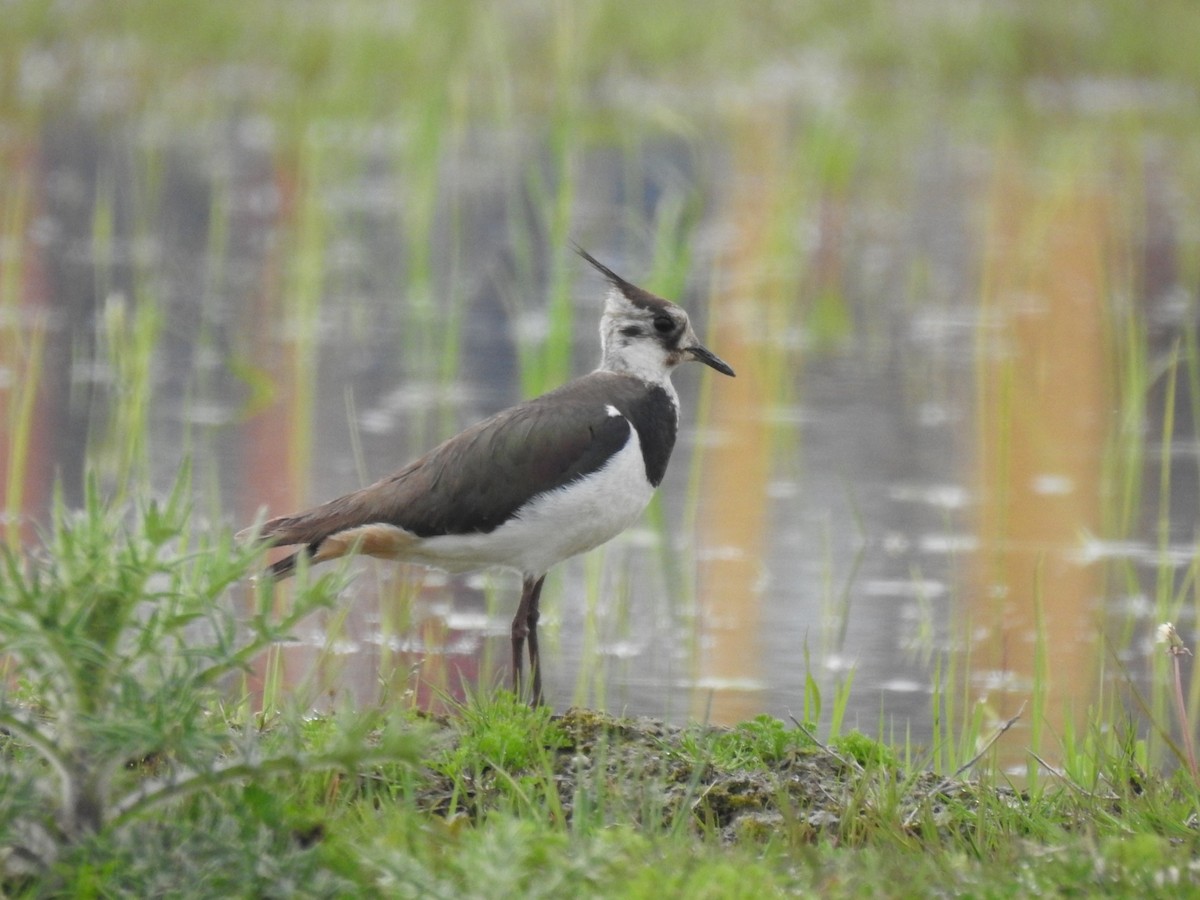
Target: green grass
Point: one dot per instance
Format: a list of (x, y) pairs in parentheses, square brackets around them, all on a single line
[(118, 641), (354, 65)]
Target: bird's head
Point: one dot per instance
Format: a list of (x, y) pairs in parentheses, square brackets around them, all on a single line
[(645, 335)]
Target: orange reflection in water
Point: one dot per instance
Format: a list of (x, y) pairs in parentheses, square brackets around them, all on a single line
[(1044, 400), (32, 421), (277, 437), (737, 467)]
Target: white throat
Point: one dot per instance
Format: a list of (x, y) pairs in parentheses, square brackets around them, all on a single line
[(641, 359)]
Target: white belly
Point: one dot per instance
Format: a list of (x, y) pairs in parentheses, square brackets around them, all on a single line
[(555, 526)]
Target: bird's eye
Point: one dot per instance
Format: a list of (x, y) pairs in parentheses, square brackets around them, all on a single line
[(664, 324)]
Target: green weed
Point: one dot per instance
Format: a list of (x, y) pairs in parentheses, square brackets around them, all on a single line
[(123, 636), (503, 732)]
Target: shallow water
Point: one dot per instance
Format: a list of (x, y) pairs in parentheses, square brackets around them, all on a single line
[(927, 454)]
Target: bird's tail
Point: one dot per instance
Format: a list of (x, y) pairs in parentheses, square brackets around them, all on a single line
[(334, 529), (309, 529), (286, 567)]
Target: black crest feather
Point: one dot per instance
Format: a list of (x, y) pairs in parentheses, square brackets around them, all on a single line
[(632, 292)]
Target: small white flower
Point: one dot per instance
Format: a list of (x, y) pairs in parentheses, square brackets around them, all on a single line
[(1166, 634)]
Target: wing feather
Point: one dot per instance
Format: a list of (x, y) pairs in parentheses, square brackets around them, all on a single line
[(479, 478)]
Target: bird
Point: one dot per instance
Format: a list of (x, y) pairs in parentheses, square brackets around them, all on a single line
[(532, 485)]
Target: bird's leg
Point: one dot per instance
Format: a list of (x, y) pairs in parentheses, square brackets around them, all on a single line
[(535, 662), (520, 628)]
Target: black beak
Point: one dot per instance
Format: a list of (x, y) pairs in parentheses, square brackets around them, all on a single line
[(706, 356)]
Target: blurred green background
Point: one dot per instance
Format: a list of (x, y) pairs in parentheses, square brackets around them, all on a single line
[(950, 248)]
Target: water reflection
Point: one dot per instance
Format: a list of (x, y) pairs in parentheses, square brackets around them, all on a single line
[(922, 452), (1044, 401)]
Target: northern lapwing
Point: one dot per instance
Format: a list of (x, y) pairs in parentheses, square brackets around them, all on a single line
[(532, 485)]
